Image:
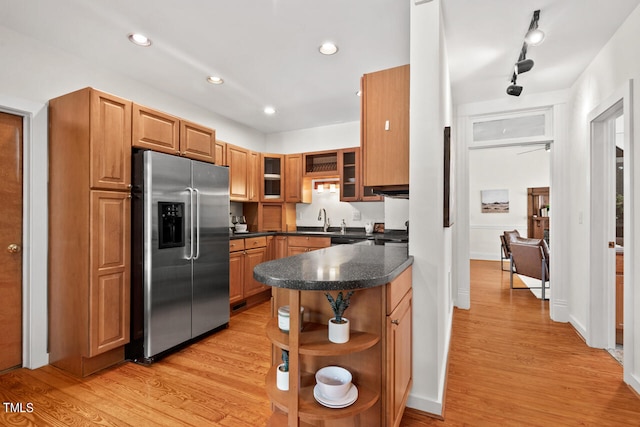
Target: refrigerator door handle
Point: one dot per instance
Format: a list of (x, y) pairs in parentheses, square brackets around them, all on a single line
[(197, 232), (190, 190)]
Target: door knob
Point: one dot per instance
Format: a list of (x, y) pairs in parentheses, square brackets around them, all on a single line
[(13, 248)]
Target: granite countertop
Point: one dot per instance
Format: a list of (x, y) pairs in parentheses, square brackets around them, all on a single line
[(311, 231), (342, 267)]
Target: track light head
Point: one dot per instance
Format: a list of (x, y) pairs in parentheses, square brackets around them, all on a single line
[(534, 36), (514, 90), (523, 66)]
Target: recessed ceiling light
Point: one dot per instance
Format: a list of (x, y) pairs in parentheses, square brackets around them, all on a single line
[(269, 110), (139, 39), (214, 80), (328, 48)]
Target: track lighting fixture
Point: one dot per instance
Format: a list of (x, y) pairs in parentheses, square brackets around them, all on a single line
[(514, 89), (534, 37), (523, 66)]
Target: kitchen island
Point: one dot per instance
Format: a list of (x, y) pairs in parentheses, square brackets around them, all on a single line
[(378, 353)]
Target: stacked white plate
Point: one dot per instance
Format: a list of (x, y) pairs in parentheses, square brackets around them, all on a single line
[(348, 399)]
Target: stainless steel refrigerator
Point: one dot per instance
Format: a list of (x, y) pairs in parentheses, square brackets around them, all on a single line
[(180, 252)]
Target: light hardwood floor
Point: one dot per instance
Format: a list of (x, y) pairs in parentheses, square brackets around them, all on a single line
[(509, 366)]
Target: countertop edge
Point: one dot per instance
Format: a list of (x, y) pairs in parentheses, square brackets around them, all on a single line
[(335, 285)]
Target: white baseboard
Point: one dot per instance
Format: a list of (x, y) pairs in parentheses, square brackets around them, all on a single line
[(579, 327), (560, 310), (632, 381), (424, 404)]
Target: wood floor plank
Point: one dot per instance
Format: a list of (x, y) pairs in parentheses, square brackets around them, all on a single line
[(509, 366)]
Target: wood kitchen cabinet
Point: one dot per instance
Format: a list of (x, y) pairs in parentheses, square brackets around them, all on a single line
[(301, 244), (296, 188), (253, 177), (158, 131), (351, 187), (320, 163), (89, 230), (238, 161), (236, 270), (385, 127), (270, 216), (244, 174), (272, 176), (378, 354), (398, 347), (244, 255), (220, 153)]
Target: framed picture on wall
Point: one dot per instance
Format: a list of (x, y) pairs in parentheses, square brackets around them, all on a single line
[(494, 201), (448, 179)]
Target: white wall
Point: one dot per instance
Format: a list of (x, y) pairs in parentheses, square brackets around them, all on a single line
[(429, 242), (508, 168), (30, 75), (609, 71)]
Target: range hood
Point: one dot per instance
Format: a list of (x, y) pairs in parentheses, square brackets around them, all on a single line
[(393, 191)]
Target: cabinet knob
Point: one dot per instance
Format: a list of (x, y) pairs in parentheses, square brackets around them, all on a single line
[(395, 321), (13, 248)]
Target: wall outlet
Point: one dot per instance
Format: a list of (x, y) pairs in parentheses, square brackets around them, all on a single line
[(356, 216)]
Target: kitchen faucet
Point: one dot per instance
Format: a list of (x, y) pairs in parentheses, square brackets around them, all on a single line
[(325, 224)]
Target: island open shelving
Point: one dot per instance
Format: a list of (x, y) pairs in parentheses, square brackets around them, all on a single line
[(379, 362)]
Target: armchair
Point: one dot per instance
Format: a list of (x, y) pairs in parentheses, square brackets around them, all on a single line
[(505, 252), (530, 257)]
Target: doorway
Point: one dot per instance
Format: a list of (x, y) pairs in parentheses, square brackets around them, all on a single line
[(11, 141), (611, 142)]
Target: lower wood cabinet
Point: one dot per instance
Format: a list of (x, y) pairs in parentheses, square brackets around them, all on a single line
[(109, 287), (244, 255), (301, 244)]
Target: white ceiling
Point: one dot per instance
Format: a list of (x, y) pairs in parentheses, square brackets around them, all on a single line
[(266, 50), (484, 40)]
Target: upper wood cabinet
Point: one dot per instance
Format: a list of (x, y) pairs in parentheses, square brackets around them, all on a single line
[(320, 163), (110, 141), (197, 142), (158, 131), (253, 177), (155, 130), (385, 127), (272, 177), (296, 188), (220, 153), (244, 174), (238, 162), (351, 187)]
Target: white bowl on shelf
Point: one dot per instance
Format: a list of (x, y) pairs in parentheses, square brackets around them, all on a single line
[(333, 382), (242, 228)]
